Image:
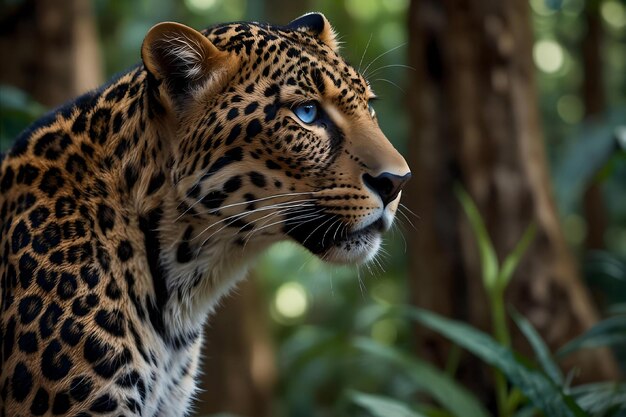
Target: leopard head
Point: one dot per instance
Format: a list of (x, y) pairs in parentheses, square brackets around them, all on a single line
[(275, 137)]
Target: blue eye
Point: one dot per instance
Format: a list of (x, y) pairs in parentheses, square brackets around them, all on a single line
[(371, 109), (306, 112)]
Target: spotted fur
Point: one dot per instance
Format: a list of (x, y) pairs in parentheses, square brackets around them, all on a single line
[(129, 212)]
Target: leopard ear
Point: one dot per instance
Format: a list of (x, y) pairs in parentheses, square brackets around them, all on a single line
[(316, 24), (183, 58)]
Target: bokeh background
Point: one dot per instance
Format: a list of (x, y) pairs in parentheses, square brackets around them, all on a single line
[(522, 103)]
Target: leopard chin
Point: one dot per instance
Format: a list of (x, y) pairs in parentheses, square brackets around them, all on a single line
[(358, 248), (335, 242)]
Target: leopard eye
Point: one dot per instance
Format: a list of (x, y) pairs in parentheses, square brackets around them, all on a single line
[(307, 112), (371, 109)]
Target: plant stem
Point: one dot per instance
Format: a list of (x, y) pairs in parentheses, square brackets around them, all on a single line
[(501, 333), (498, 314)]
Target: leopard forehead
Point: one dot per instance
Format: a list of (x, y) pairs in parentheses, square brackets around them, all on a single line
[(293, 59)]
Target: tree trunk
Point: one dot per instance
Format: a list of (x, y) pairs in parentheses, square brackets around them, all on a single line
[(594, 101), (475, 122), (53, 49), (239, 368)]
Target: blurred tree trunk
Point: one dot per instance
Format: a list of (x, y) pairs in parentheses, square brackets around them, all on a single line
[(281, 12), (475, 122), (593, 99), (239, 368), (53, 47)]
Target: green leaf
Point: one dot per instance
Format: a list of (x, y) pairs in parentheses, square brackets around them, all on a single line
[(380, 406), (528, 411), (539, 347), (584, 155), (513, 259), (224, 415), (599, 397), (435, 382), (536, 386), (488, 258), (611, 331), (617, 308)]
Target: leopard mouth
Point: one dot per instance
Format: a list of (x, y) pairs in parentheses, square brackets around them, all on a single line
[(328, 235)]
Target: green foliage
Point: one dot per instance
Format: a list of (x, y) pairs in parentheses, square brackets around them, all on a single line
[(17, 111), (535, 385), (532, 388), (495, 281), (380, 406), (488, 258), (430, 380), (495, 278), (542, 352), (608, 332), (589, 157), (602, 399)]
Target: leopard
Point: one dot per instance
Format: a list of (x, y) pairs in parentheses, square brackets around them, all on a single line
[(127, 214)]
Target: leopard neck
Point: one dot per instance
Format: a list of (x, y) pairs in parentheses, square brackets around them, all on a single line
[(182, 281)]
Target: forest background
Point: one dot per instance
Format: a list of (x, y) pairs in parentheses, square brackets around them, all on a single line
[(512, 115)]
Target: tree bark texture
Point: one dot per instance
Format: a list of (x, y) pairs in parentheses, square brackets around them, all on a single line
[(475, 122), (52, 47), (239, 366), (594, 102)]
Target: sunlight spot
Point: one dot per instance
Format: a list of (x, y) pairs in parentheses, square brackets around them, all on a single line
[(396, 6), (541, 8), (200, 5), (234, 9), (391, 34), (570, 108), (573, 7), (291, 300), (615, 238), (385, 331), (620, 135), (575, 229), (362, 9), (386, 292), (613, 13), (283, 251), (548, 56)]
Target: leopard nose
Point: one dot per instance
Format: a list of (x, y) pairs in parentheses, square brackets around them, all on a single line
[(386, 185)]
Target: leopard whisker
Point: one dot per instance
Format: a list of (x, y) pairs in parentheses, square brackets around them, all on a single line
[(361, 284), (377, 70), (365, 51), (283, 209), (314, 230), (247, 213), (212, 211), (329, 228), (316, 215), (397, 227), (392, 83), (404, 206), (407, 219), (309, 216), (382, 55)]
